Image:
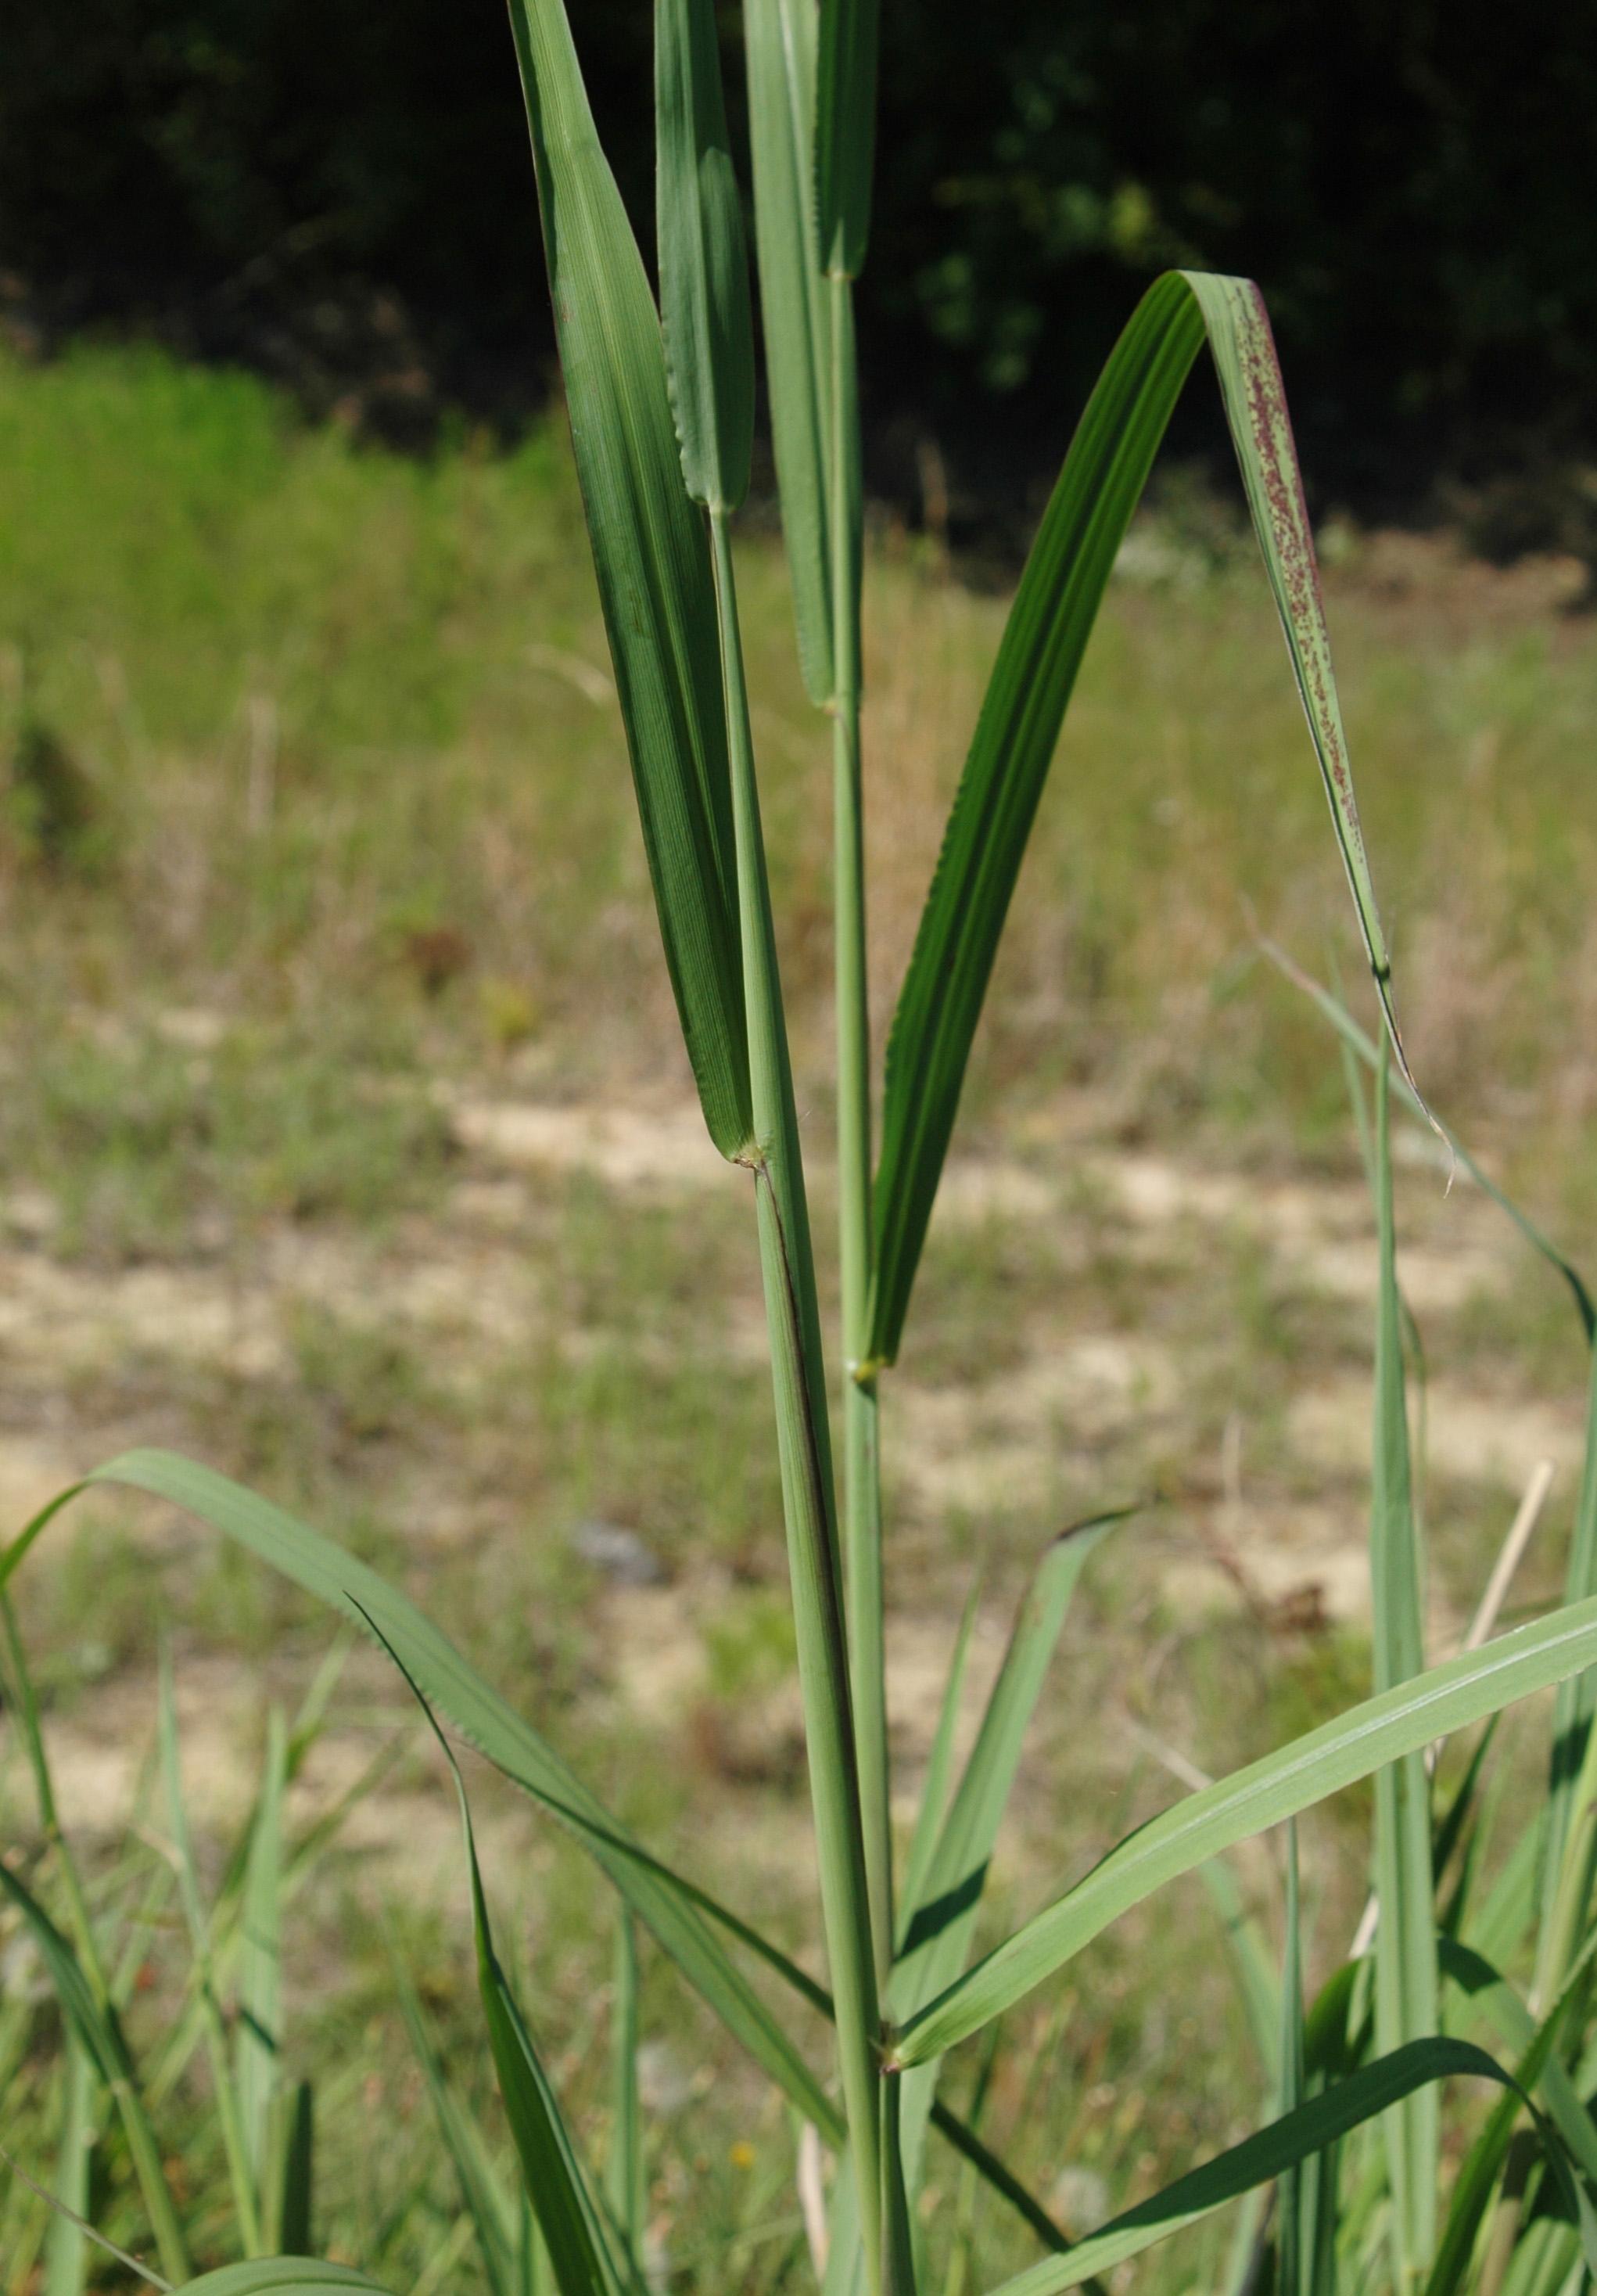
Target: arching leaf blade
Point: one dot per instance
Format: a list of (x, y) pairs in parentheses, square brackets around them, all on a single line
[(674, 1909), (984, 841), (1029, 690), (1280, 1785)]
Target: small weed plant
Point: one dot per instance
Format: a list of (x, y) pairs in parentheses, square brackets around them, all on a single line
[(1352, 2181)]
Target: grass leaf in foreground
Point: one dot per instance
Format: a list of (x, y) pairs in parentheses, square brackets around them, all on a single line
[(1280, 1785), (671, 1906)]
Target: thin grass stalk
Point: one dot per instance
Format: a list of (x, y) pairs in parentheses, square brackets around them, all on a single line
[(862, 1463), (787, 1268), (1405, 1969)]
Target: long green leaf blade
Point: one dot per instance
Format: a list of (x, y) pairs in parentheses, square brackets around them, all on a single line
[(1047, 634), (1280, 1785), (1261, 431), (651, 557), (779, 38), (567, 2215), (671, 1906), (703, 262)]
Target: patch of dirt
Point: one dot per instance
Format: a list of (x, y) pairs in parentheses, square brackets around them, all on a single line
[(627, 1148), (1003, 1442), (1472, 1434), (462, 1285)]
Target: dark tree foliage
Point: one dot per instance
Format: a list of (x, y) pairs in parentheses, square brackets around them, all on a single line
[(337, 190)]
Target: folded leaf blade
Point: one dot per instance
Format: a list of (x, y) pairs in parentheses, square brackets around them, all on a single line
[(651, 556), (780, 39), (846, 131), (703, 261)]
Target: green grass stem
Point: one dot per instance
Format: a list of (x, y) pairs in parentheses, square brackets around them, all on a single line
[(787, 1269)]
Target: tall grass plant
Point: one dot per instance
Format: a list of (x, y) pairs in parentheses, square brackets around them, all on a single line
[(661, 395)]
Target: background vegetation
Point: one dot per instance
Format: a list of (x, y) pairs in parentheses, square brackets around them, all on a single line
[(329, 984), (341, 197)]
